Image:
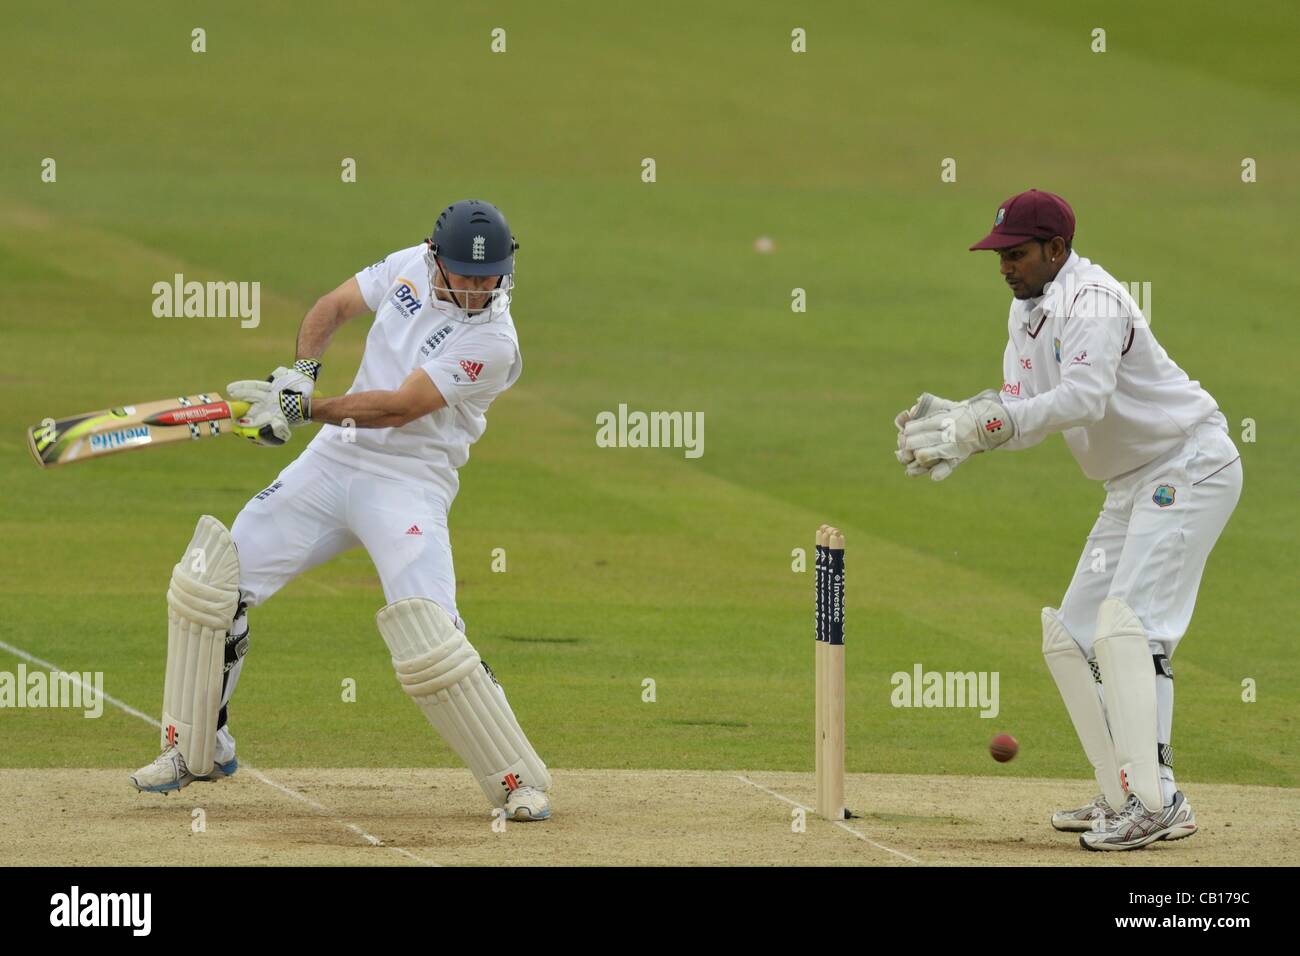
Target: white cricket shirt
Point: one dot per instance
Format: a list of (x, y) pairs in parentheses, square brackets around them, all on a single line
[(470, 364), (1082, 360)]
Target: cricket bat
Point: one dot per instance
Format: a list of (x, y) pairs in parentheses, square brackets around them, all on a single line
[(95, 434)]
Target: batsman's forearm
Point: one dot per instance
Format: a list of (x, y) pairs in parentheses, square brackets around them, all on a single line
[(318, 327), (375, 409)]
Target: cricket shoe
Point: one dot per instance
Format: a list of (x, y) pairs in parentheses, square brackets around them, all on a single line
[(1086, 817), (1136, 826), (168, 772), (528, 803)]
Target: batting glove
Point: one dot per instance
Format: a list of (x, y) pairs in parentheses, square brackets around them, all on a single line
[(300, 377)]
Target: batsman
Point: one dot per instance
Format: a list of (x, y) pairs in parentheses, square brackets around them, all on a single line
[(381, 474), (1082, 360)]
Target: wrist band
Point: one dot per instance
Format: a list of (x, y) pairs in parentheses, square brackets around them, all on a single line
[(309, 367)]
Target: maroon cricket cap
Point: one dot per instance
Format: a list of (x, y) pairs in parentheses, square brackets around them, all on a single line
[(1032, 214)]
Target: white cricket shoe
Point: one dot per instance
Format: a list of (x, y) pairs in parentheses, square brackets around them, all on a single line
[(528, 803), (168, 772), (1086, 817), (1136, 826)]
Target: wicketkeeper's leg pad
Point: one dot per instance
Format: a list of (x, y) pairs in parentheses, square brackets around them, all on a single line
[(437, 665), (1124, 657), (201, 603), (1078, 686)]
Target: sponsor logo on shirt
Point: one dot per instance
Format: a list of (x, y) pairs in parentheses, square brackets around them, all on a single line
[(432, 342), (263, 495), (472, 369), (1011, 389), (1164, 496), (1081, 358), (405, 299), (1026, 363), (415, 529)]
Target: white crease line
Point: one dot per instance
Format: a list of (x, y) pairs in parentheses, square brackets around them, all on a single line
[(76, 679), (839, 823), (369, 838)]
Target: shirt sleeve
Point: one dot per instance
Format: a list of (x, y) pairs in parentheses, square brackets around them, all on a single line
[(479, 368), (1092, 342), (1011, 396), (375, 280)]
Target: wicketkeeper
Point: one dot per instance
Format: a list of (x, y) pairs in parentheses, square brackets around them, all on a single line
[(381, 474), (1082, 361)]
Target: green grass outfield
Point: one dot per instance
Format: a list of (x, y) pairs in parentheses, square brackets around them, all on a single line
[(632, 564)]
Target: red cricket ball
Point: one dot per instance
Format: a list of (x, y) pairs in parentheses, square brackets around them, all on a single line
[(1003, 747)]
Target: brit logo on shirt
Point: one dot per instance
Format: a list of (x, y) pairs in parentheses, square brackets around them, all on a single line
[(405, 299), (1164, 496), (1056, 344)]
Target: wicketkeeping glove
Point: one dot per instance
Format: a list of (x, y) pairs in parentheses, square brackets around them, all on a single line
[(925, 406), (951, 436)]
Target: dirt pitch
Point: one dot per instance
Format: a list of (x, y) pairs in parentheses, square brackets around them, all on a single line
[(299, 816)]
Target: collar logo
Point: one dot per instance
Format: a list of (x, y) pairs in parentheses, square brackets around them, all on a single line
[(480, 250), (1002, 214), (1164, 496)]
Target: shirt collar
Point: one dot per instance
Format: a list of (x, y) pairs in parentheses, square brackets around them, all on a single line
[(1031, 311)]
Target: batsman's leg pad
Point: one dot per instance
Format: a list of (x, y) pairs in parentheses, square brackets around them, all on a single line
[(1074, 679), (438, 666), (201, 603), (1124, 657)]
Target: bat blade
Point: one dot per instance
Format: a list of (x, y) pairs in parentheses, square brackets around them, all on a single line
[(128, 427)]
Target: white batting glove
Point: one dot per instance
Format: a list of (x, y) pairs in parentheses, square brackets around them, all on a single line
[(272, 414), (251, 390), (263, 424), (300, 378)]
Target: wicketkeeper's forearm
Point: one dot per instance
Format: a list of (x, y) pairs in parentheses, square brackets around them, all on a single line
[(374, 409)]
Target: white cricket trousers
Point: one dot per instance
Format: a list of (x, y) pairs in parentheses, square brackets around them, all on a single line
[(1152, 539), (316, 509), (1148, 548)]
